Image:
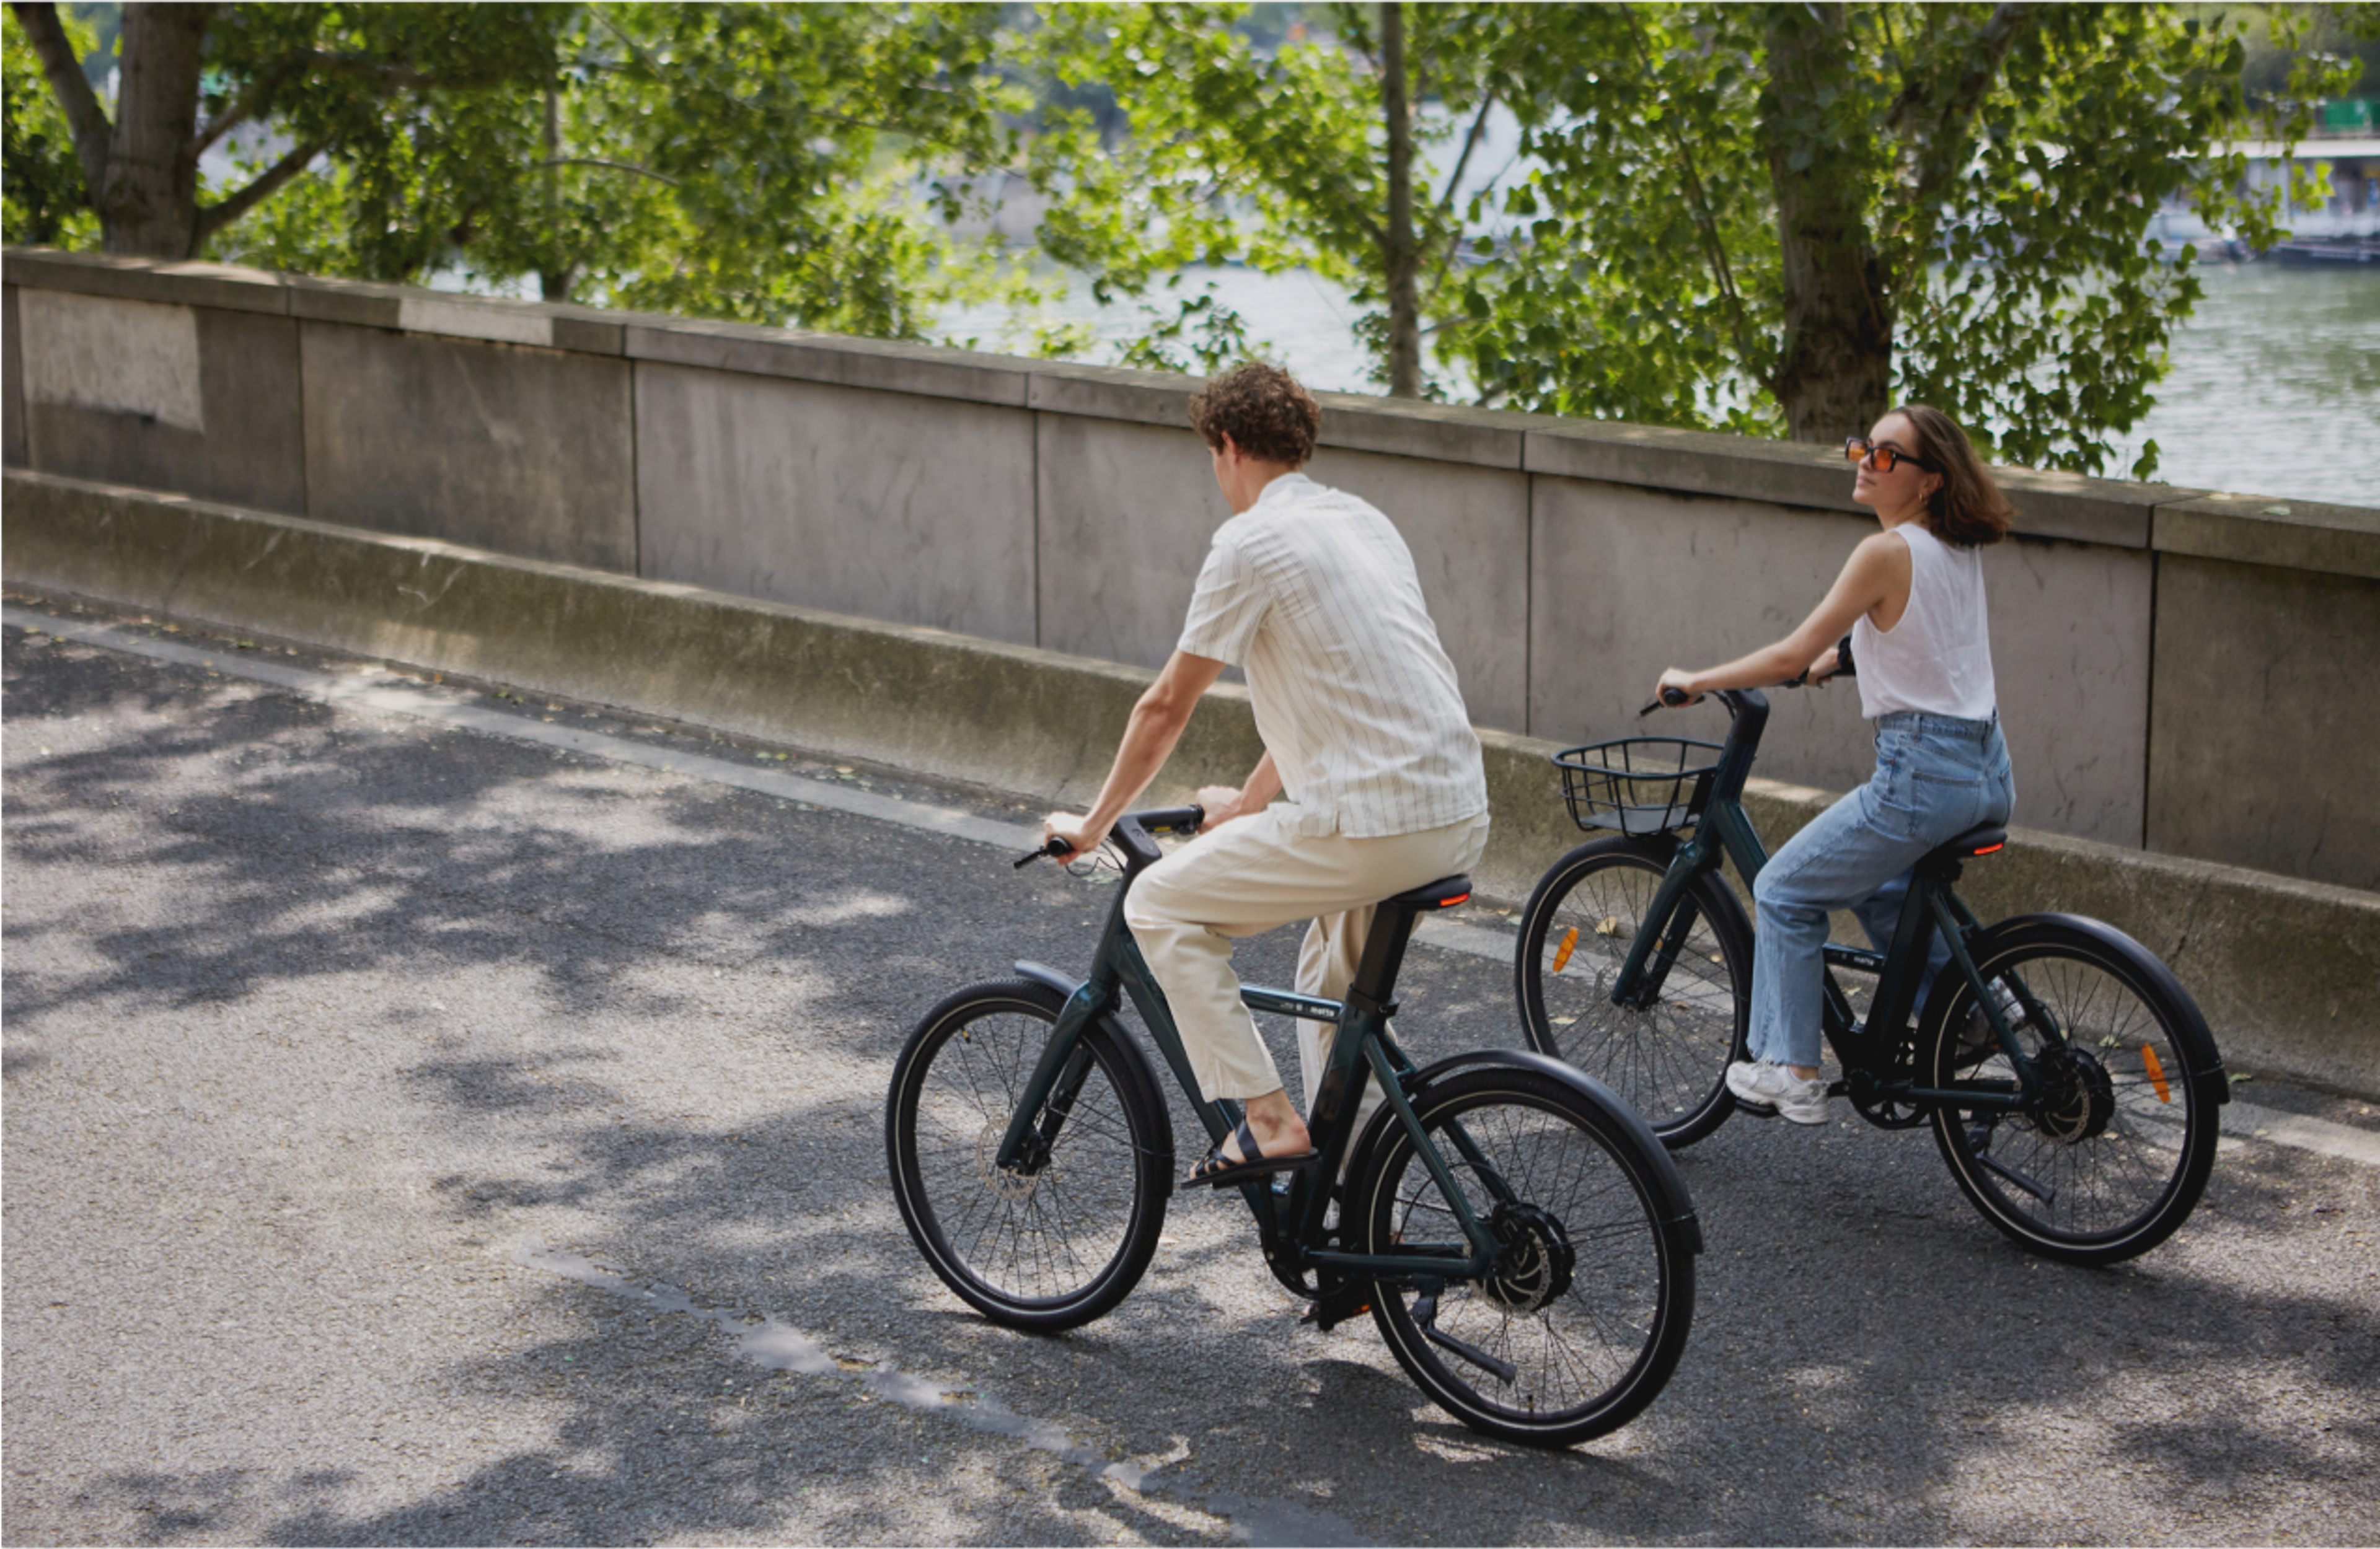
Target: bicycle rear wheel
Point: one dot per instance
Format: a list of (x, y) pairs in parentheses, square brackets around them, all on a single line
[(1591, 1302), (2113, 1154), (1057, 1241), (1668, 1061)]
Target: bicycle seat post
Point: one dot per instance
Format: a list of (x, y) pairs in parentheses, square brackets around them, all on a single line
[(1369, 996)]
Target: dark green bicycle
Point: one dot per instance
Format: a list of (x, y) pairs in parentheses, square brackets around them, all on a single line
[(1524, 1242), (2071, 1084)]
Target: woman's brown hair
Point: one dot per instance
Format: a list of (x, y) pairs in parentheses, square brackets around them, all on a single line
[(1967, 509)]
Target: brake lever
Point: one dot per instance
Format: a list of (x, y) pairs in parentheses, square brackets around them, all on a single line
[(1051, 851)]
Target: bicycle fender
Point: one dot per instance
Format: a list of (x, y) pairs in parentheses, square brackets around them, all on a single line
[(2197, 1041), (1049, 978), (1668, 1187)]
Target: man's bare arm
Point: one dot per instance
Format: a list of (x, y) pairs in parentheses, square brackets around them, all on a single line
[(1223, 804), (1148, 738)]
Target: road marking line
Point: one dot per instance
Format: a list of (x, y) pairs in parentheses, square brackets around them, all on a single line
[(2247, 1121), (422, 702)]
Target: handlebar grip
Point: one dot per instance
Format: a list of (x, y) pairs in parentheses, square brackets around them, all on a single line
[(1052, 850)]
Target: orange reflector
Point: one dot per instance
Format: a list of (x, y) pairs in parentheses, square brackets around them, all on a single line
[(1451, 902), (1989, 848), (1570, 941), (2156, 1073)]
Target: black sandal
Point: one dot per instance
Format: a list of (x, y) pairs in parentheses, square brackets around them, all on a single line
[(1217, 1169)]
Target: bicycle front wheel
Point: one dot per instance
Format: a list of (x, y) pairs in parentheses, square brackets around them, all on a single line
[(2114, 1149), (1586, 1310), (1668, 1060), (1060, 1239)]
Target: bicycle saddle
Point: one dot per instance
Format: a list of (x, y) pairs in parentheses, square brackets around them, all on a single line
[(1444, 893), (1981, 839)]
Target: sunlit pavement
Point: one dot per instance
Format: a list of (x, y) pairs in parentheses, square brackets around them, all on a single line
[(431, 1117)]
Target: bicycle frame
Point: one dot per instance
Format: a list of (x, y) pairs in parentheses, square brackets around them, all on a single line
[(1363, 1046), (1724, 830)]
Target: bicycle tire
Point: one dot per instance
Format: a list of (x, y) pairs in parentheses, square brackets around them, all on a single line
[(2114, 1157), (1593, 1302), (1668, 1063), (1044, 1250)]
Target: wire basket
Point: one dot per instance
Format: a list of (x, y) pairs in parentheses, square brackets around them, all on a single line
[(1638, 786)]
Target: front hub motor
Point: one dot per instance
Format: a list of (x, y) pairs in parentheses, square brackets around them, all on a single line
[(1536, 1265), (2077, 1098)]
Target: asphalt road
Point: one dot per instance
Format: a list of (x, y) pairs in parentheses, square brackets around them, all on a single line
[(429, 1119)]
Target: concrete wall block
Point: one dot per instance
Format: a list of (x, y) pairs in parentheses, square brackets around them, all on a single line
[(1113, 392), (1128, 513), (194, 399), (2258, 529), (923, 371), (913, 510), (523, 451), (225, 287), (2260, 754), (1407, 428), (12, 382), (1626, 581), (1691, 461)]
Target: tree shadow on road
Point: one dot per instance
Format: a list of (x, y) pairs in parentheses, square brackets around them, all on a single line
[(1870, 1361)]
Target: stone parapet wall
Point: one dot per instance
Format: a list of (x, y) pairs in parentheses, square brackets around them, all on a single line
[(2176, 666), (2287, 972)]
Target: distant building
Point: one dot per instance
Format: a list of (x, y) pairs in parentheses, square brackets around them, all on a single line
[(2345, 141)]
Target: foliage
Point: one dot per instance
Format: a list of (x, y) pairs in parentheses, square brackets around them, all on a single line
[(41, 199), (767, 163), (1993, 217), (1258, 145)]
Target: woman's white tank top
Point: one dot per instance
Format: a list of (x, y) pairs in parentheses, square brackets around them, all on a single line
[(1938, 660)]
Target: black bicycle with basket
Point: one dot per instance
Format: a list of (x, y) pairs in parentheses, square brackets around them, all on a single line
[(2070, 1082)]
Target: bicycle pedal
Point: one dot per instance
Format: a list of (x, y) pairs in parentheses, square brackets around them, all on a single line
[(1757, 1110), (1334, 1308)]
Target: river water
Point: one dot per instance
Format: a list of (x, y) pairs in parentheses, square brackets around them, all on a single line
[(2274, 389)]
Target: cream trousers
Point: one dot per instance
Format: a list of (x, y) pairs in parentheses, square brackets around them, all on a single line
[(1248, 876)]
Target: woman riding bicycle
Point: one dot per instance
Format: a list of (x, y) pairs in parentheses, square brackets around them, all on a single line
[(1909, 609)]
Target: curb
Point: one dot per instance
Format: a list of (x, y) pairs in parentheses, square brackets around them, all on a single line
[(2287, 972)]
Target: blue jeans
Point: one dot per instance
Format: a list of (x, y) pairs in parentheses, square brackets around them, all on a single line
[(1937, 776)]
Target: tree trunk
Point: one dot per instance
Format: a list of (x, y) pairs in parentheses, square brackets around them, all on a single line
[(1834, 372), (148, 203), (1400, 254)]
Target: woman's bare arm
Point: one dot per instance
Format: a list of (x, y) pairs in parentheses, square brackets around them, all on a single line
[(1877, 572)]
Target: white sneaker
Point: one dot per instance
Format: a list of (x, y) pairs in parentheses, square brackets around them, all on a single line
[(1778, 1089)]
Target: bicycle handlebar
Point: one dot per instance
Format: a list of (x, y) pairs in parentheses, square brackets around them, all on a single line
[(1131, 830), (1675, 698)]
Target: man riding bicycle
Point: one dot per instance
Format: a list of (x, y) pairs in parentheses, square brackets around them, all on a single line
[(1315, 593)]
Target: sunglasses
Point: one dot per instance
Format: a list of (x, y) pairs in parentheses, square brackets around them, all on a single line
[(1859, 449)]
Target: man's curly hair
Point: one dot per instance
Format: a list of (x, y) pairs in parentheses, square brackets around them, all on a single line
[(1264, 411)]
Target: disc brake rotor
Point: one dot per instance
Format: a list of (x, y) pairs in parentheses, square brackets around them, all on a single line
[(1007, 1183)]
